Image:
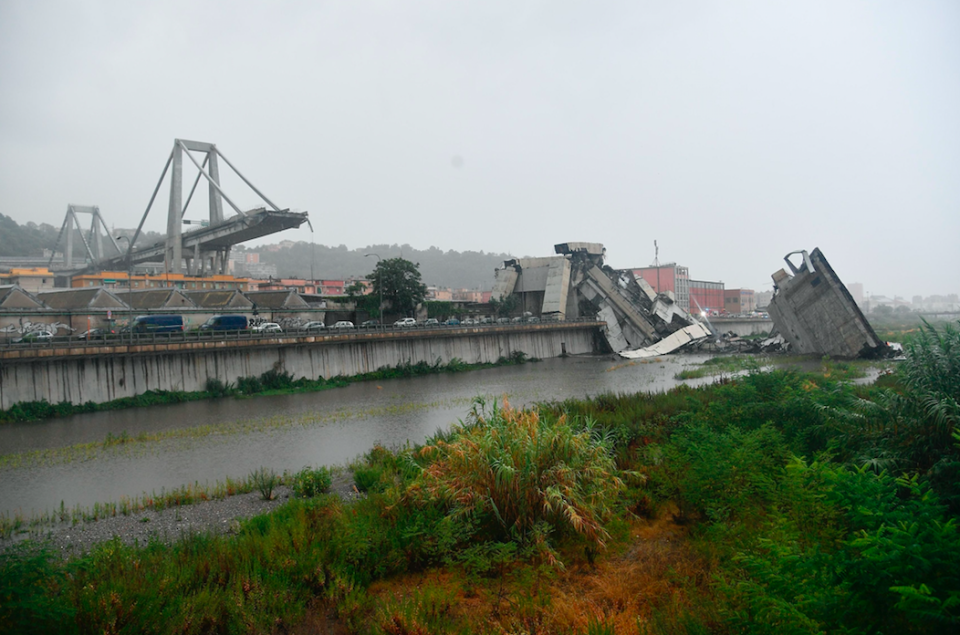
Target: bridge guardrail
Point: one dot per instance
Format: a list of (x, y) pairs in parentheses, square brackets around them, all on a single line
[(123, 339)]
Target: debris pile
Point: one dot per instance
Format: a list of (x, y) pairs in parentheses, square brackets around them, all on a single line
[(576, 283)]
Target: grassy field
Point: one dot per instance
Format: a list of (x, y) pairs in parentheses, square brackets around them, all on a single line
[(772, 502)]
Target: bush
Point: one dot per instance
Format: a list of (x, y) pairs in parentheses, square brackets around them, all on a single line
[(249, 385), (265, 481), (217, 388), (367, 478), (308, 482), (520, 476), (275, 379), (30, 597)]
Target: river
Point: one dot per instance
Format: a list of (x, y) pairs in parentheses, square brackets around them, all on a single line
[(206, 441)]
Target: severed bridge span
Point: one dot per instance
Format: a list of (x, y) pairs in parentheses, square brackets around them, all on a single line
[(201, 251)]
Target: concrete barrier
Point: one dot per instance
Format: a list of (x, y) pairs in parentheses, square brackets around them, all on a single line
[(742, 326), (105, 373)]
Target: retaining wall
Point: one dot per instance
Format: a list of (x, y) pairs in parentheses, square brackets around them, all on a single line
[(106, 373)]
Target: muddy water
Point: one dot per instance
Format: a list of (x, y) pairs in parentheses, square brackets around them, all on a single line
[(202, 442)]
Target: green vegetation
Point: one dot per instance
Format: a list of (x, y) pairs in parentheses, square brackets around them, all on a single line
[(728, 365), (725, 365), (310, 482), (895, 326), (775, 502), (272, 382), (265, 480), (440, 310), (506, 306), (398, 282)]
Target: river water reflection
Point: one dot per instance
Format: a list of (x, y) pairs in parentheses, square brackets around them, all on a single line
[(206, 441)]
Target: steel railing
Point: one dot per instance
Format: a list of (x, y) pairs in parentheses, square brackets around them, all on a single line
[(126, 339)]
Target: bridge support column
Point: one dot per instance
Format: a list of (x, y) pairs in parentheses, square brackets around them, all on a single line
[(174, 253)]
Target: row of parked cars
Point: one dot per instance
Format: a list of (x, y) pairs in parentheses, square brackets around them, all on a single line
[(165, 324)]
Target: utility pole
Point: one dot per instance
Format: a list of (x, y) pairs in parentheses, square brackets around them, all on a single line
[(381, 289), (656, 262)]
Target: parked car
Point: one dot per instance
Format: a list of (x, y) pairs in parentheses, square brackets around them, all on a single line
[(159, 324), (343, 324), (516, 320), (34, 337), (225, 323), (97, 333), (313, 326), (432, 322), (405, 322), (370, 324), (468, 322), (452, 322), (504, 320), (533, 320), (486, 320), (267, 327)]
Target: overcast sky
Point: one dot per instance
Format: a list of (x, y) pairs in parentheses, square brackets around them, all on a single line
[(730, 132)]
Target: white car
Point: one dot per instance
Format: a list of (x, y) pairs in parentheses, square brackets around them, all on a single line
[(404, 322), (267, 327), (343, 324), (34, 337)]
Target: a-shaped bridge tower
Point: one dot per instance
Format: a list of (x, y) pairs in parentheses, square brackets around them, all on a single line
[(205, 250)]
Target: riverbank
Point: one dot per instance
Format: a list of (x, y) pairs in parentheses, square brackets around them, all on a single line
[(167, 524), (685, 511), (272, 382)]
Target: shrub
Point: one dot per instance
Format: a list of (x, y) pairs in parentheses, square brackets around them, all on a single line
[(217, 388), (265, 481), (31, 598), (275, 379), (309, 482), (516, 473), (249, 385), (367, 477)]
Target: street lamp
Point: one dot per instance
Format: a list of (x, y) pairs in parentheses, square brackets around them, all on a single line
[(381, 288)]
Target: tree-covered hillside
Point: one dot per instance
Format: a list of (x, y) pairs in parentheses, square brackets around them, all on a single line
[(26, 240), (31, 239), (468, 269)]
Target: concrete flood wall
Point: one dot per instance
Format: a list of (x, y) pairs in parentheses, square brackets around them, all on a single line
[(108, 373)]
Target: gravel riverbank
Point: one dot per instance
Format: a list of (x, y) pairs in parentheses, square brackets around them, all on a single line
[(220, 516)]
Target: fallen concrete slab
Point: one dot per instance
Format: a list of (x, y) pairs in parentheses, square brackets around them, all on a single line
[(816, 315), (670, 343)]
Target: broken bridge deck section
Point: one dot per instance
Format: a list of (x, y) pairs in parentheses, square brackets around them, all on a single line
[(816, 314)]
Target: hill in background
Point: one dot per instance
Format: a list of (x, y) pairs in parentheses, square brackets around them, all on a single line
[(467, 269)]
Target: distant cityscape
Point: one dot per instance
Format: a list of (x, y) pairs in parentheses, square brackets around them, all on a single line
[(247, 272)]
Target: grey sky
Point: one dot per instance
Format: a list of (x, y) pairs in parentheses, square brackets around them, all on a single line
[(731, 132)]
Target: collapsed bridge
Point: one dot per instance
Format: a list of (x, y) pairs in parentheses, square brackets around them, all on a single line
[(576, 283), (203, 251)]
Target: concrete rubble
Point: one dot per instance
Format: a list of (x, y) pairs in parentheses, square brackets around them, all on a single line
[(814, 313), (576, 283)]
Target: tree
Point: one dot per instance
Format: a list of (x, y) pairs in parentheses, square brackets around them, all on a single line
[(505, 306), (355, 289), (399, 281)]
